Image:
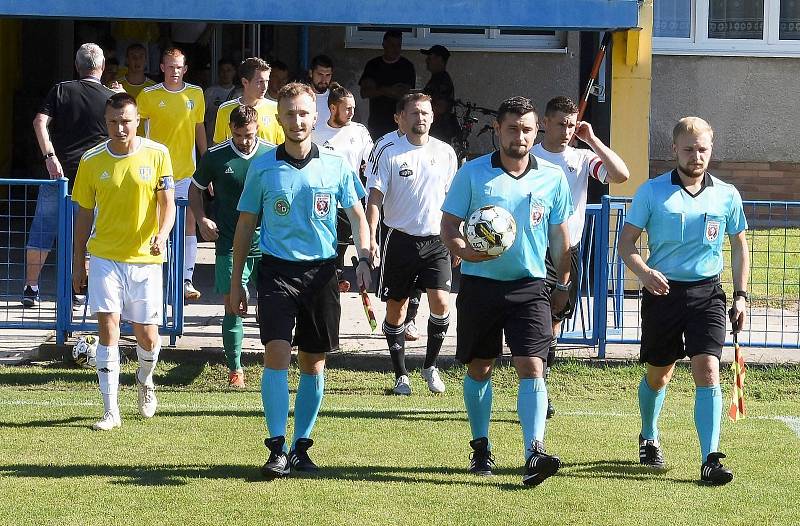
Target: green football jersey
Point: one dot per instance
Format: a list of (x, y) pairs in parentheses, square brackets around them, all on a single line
[(226, 167)]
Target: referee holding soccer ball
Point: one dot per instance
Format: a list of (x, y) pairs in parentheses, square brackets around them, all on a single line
[(507, 293)]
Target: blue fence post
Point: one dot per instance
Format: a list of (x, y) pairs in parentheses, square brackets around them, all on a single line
[(601, 277), (64, 265)]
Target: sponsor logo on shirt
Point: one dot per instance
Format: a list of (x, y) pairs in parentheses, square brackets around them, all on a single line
[(322, 204), (104, 176), (712, 230), (405, 171), (145, 173), (328, 145), (281, 206)]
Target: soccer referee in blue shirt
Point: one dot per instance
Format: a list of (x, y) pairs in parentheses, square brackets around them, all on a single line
[(686, 213), (296, 189), (508, 294)]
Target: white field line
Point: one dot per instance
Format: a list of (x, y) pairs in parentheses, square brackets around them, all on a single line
[(792, 422)]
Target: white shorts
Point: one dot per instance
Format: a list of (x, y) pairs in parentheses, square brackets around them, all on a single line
[(182, 188), (134, 290)]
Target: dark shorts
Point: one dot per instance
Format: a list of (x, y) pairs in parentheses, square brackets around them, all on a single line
[(572, 301), (688, 321), (303, 293), (413, 262), (486, 308), (344, 232)]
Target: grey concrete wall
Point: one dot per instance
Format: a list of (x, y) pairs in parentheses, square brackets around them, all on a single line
[(751, 102), (480, 77)]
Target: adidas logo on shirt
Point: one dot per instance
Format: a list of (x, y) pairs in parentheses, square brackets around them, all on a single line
[(405, 171), (104, 176), (228, 170), (162, 104)]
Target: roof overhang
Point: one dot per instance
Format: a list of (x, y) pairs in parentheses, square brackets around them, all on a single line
[(583, 15)]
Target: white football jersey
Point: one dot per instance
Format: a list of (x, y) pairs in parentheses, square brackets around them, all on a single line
[(352, 141), (414, 181), (323, 111), (578, 165)]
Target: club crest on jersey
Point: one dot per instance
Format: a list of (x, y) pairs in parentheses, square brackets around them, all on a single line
[(265, 120), (712, 230), (145, 173), (405, 171), (322, 204), (281, 206), (190, 104), (537, 213)]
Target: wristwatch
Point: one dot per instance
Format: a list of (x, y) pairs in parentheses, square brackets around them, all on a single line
[(563, 286), (48, 155), (740, 294)]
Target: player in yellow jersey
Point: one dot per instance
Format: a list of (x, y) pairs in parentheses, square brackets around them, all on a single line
[(134, 80), (128, 180), (173, 112), (254, 75)]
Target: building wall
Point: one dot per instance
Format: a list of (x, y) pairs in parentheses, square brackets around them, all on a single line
[(483, 78)]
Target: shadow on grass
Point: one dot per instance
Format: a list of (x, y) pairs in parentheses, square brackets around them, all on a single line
[(179, 475), (64, 422), (180, 375), (616, 469)]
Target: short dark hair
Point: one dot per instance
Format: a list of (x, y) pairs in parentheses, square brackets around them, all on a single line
[(243, 115), (279, 64), (120, 100), (249, 66), (560, 104), (293, 89), (393, 33), (323, 61), (221, 62), (337, 93), (516, 105), (413, 96), (135, 47)]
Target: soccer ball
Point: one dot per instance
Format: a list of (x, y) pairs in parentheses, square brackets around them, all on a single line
[(491, 229), (85, 351)]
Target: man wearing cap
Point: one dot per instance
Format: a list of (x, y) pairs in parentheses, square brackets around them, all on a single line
[(440, 87)]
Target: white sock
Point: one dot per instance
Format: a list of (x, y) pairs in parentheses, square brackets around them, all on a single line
[(107, 358), (34, 288), (189, 257), (147, 363)]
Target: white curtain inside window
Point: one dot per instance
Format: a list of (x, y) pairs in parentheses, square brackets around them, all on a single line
[(789, 27), (740, 19), (672, 18)]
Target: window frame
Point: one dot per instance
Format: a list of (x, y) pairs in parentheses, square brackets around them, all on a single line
[(492, 40), (698, 42)]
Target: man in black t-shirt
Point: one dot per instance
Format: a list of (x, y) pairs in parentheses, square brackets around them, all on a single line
[(445, 125), (384, 81), (70, 121)]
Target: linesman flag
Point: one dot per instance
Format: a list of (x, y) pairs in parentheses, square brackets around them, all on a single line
[(368, 312), (737, 409)]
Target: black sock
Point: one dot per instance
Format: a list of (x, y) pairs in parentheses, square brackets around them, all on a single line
[(413, 306), (437, 328), (551, 356), (396, 338)]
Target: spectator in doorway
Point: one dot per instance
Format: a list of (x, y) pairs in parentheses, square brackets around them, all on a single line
[(320, 75), (278, 78), (440, 88)]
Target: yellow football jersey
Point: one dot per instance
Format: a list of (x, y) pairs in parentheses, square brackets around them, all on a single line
[(170, 118), (123, 190), (134, 89), (268, 127)]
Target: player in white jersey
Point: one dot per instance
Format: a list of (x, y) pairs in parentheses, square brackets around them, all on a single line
[(560, 125), (352, 140), (409, 178)]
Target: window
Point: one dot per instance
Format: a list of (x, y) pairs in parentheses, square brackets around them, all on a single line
[(727, 27), (462, 39)]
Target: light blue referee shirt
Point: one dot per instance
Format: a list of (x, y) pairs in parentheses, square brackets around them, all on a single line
[(685, 232), (538, 198), (297, 200)]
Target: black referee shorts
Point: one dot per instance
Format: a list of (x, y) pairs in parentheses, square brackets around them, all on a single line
[(292, 292), (551, 279), (688, 321), (413, 262), (486, 308)]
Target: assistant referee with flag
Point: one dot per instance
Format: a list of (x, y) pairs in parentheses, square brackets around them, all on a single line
[(686, 212)]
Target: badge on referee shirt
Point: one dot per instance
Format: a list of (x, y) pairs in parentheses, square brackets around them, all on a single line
[(537, 212), (712, 230), (322, 204)]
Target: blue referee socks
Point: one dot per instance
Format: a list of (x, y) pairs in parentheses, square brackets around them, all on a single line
[(650, 404), (707, 414), (478, 401), (275, 398), (307, 403), (532, 411)]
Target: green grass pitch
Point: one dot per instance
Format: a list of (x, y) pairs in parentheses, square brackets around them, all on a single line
[(384, 459)]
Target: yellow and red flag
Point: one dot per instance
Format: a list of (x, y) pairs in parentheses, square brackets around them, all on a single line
[(737, 409)]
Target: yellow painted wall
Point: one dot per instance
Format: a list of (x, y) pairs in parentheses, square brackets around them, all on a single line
[(631, 63), (10, 34)]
